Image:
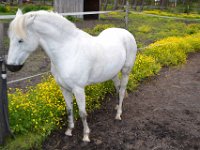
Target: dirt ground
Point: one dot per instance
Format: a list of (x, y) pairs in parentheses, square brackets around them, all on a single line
[(162, 114)]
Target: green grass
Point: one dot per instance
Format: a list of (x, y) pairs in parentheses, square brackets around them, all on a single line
[(148, 29), (25, 142), (167, 13)]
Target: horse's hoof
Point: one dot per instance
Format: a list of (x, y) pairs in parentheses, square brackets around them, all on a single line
[(118, 117), (86, 138), (68, 132)]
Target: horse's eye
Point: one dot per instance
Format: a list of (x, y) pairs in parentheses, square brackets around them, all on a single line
[(21, 41)]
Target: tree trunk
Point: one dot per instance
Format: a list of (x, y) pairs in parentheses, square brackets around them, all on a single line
[(188, 7), (115, 4), (162, 4), (123, 3), (20, 2), (100, 4), (135, 5), (142, 5), (183, 2), (11, 2), (105, 5)]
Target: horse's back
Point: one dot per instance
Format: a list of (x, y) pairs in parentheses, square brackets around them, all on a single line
[(113, 47), (119, 35)]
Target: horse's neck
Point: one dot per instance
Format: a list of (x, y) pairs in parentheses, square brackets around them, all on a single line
[(57, 41)]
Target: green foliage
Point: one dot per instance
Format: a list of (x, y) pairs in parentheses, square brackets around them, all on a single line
[(145, 66), (165, 13), (144, 28), (72, 19), (25, 142), (3, 8), (158, 28), (194, 41), (173, 51), (6, 9), (99, 28), (41, 105), (27, 8), (193, 28)]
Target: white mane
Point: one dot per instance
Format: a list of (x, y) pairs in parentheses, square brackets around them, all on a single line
[(19, 24)]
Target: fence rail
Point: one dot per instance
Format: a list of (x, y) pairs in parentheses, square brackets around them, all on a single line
[(68, 14)]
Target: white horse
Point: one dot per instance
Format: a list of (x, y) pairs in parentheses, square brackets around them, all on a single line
[(77, 58)]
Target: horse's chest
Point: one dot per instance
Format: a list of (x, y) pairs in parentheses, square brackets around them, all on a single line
[(60, 80), (68, 78)]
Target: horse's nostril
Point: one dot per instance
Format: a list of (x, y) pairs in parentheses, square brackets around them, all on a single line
[(14, 68)]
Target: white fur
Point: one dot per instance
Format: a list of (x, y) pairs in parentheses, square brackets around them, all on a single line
[(77, 58)]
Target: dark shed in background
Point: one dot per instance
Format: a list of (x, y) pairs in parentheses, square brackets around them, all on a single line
[(91, 5), (64, 6)]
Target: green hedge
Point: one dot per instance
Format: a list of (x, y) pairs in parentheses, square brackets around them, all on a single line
[(28, 8)]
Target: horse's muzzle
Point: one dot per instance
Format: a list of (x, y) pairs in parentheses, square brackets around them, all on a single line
[(14, 68)]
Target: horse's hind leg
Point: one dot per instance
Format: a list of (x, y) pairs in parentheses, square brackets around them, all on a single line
[(116, 82), (122, 90), (69, 102)]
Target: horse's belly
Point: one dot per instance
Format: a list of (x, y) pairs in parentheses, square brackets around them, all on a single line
[(108, 68)]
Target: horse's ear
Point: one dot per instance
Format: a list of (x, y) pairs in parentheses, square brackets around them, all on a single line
[(19, 12), (30, 19)]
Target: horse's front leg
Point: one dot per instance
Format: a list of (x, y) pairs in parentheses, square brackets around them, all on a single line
[(69, 102), (80, 99)]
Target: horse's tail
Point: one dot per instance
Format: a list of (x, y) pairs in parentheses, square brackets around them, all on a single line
[(131, 50)]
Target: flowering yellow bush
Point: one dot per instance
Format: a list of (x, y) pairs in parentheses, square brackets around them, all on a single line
[(194, 41), (173, 50), (38, 109), (42, 108)]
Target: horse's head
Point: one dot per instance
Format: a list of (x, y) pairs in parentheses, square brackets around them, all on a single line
[(23, 41)]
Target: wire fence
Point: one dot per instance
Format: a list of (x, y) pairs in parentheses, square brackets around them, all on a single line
[(68, 14)]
